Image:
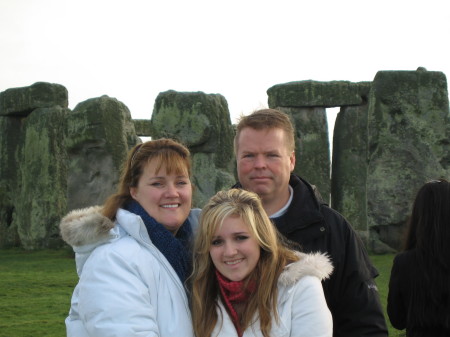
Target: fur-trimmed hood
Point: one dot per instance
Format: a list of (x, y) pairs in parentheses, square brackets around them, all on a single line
[(313, 264), (85, 226)]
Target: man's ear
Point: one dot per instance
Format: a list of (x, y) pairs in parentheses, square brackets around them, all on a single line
[(292, 159)]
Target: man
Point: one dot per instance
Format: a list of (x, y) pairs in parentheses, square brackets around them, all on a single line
[(264, 147)]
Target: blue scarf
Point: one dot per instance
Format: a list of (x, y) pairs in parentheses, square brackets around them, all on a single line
[(176, 248)]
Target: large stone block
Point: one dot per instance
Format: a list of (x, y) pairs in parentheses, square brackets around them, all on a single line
[(208, 179), (143, 127), (315, 94), (42, 178), (22, 101), (10, 131), (349, 164), (100, 133), (408, 142), (201, 122)]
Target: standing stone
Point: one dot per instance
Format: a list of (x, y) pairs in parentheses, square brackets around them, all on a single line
[(349, 164), (41, 199), (28, 160), (201, 122), (408, 144), (100, 133), (10, 130)]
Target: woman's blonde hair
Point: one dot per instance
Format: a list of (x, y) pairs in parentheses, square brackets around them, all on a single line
[(275, 255), (171, 155)]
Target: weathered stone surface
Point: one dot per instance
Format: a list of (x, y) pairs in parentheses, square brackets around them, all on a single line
[(408, 143), (315, 94), (207, 178), (22, 101), (349, 164), (312, 147), (386, 145), (10, 130), (143, 127), (201, 122), (100, 133), (42, 177)]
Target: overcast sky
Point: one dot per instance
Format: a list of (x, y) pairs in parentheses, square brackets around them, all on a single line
[(134, 49)]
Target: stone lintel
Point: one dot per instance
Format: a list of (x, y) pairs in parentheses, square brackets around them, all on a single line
[(23, 100), (143, 127), (311, 93)]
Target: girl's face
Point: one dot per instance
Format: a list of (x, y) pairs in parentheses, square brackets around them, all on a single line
[(165, 197), (234, 250)]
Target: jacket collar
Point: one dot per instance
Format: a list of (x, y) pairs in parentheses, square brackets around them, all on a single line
[(305, 207)]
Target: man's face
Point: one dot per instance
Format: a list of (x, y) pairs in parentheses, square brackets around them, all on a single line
[(264, 163)]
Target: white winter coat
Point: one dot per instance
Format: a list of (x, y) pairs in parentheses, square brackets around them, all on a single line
[(302, 308), (126, 287)]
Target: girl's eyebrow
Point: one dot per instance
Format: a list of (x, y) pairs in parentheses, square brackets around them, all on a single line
[(234, 233)]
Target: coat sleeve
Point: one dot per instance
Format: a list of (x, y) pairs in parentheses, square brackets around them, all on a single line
[(113, 298), (395, 305), (310, 314), (352, 293)]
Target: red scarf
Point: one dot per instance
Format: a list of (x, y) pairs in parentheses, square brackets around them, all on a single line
[(234, 292)]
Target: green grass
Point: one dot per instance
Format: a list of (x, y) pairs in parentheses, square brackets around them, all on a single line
[(35, 291)]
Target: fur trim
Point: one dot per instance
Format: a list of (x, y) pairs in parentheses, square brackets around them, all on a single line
[(85, 226), (314, 264)]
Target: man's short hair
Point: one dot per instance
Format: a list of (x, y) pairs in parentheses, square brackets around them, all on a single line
[(267, 119)]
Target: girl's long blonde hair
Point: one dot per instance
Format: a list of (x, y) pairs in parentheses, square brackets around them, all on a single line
[(275, 255)]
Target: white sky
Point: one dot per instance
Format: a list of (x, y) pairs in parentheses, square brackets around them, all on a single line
[(134, 49)]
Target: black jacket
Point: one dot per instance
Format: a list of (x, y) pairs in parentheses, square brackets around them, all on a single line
[(351, 293), (405, 292)]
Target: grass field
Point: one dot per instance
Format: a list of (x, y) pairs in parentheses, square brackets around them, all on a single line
[(35, 291)]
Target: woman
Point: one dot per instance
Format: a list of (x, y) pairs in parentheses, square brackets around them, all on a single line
[(419, 287), (246, 282), (133, 255)]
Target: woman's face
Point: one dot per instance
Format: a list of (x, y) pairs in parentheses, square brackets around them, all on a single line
[(165, 197), (234, 250)]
